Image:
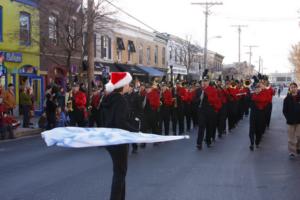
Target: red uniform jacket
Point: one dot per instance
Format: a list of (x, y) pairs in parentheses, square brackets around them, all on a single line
[(95, 100), (154, 99), (167, 98), (213, 98), (261, 99), (80, 100), (232, 93), (223, 94), (181, 91), (271, 93), (188, 97)]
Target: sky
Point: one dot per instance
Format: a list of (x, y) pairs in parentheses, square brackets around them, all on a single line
[(272, 25)]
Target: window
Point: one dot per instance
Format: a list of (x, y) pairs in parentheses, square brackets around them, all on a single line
[(53, 29), (170, 53), (156, 55), (72, 34), (180, 56), (163, 56), (1, 24), (25, 38), (141, 55), (148, 56), (120, 44), (131, 49), (105, 47), (119, 52), (176, 55)]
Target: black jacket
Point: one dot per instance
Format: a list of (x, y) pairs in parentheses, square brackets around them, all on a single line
[(291, 109), (115, 112)]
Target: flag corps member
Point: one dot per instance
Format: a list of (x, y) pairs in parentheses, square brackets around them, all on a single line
[(116, 115), (209, 106)]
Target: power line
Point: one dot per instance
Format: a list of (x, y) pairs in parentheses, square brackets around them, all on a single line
[(131, 16), (207, 12), (250, 52), (239, 32)]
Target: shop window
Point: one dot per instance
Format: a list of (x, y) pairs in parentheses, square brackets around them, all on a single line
[(119, 52), (1, 24), (120, 44), (25, 29), (148, 56), (72, 34), (170, 53)]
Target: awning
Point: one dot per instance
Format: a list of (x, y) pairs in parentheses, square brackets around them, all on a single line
[(152, 71), (132, 69)]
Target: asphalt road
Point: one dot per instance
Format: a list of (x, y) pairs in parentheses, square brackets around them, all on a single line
[(172, 171)]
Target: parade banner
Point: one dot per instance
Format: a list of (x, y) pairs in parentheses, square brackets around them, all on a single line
[(76, 137)]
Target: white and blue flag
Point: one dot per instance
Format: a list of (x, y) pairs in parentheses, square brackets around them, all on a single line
[(76, 137)]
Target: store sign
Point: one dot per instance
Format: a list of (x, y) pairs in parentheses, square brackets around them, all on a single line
[(12, 56)]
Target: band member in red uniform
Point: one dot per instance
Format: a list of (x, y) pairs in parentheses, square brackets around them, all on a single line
[(187, 100), (94, 113), (152, 109), (167, 103), (222, 115), (209, 106), (271, 93), (79, 107), (247, 84), (259, 103), (232, 105), (180, 95)]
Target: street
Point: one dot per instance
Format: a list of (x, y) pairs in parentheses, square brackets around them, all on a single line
[(172, 171)]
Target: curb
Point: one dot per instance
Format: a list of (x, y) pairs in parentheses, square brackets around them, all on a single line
[(27, 132)]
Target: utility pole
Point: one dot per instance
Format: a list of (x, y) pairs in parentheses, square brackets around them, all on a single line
[(207, 12), (90, 32), (239, 32), (250, 52)]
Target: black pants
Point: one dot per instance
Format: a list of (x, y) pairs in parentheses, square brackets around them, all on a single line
[(257, 123), (232, 114), (165, 118), (6, 129), (174, 118), (188, 115), (94, 118), (51, 120), (181, 120), (268, 114), (152, 121), (222, 115), (207, 123), (77, 118), (119, 156), (194, 113), (26, 118)]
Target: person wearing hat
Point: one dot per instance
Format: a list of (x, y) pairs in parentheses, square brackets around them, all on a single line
[(114, 109), (271, 93), (77, 115), (209, 106), (233, 92), (94, 108), (167, 104), (180, 96), (9, 99), (222, 115), (260, 101)]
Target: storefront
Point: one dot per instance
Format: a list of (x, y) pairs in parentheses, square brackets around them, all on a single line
[(22, 70)]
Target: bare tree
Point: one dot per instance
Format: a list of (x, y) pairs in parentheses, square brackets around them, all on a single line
[(295, 59), (190, 52)]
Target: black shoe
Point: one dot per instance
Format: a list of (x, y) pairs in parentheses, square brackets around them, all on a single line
[(292, 156), (199, 147), (220, 136), (251, 148), (257, 146), (208, 145), (298, 151), (134, 151), (143, 146)]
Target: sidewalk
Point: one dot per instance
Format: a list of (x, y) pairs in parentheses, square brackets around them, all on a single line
[(33, 130)]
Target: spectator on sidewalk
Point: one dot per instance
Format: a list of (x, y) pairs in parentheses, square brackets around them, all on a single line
[(10, 99), (61, 98), (291, 111), (5, 125), (61, 118), (51, 111), (26, 105)]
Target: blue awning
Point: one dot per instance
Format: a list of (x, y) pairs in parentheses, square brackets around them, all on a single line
[(152, 71)]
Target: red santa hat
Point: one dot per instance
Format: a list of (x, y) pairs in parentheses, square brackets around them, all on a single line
[(118, 80)]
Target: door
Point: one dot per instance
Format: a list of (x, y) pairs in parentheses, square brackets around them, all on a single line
[(37, 84)]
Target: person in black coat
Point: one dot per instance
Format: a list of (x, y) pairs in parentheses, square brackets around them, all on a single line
[(51, 111), (115, 114), (291, 111)]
